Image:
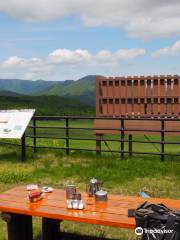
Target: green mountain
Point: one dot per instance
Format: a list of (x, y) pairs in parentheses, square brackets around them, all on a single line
[(8, 93), (82, 89), (46, 105), (25, 87)]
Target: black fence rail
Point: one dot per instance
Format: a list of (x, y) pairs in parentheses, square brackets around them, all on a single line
[(125, 141)]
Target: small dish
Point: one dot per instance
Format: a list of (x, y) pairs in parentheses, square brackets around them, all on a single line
[(32, 187), (47, 189)]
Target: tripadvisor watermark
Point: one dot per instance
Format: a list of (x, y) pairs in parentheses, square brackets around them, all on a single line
[(140, 231)]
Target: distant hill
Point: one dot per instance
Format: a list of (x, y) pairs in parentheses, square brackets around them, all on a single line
[(82, 89), (46, 105), (8, 93), (25, 87)]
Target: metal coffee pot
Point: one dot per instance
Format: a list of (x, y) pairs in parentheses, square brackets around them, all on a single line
[(93, 186)]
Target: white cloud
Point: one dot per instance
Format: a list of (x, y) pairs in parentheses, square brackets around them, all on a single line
[(173, 50), (128, 54), (104, 55), (78, 56), (63, 59), (31, 64), (69, 56), (140, 18), (28, 76), (73, 57), (14, 62)]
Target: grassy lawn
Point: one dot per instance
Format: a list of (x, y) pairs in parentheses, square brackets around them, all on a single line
[(126, 176)]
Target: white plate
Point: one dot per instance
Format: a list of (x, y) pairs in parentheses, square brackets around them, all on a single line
[(31, 187), (47, 189)]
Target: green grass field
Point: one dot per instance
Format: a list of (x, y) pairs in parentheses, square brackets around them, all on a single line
[(126, 176)]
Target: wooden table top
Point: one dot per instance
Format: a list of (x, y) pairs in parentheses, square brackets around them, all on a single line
[(113, 213)]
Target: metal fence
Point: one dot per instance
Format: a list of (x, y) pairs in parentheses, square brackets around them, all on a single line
[(125, 142)]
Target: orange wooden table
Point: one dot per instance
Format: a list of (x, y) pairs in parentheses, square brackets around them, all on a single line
[(18, 212)]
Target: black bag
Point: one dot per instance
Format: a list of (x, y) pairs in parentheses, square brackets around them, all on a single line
[(157, 222)]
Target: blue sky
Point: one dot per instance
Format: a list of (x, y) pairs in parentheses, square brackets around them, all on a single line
[(39, 42)]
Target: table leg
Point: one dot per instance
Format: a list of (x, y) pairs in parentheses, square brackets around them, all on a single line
[(19, 226), (50, 229)]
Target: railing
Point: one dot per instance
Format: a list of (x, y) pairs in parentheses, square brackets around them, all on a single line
[(61, 130)]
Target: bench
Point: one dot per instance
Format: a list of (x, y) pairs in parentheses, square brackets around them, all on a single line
[(17, 211)]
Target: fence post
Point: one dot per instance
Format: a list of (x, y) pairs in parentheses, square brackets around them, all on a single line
[(34, 134), (23, 148), (67, 136), (130, 144), (122, 137), (98, 143), (162, 139)]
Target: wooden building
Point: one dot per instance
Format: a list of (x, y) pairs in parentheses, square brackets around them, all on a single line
[(138, 97)]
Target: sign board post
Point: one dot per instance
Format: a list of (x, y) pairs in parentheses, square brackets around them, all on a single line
[(23, 148), (13, 124)]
